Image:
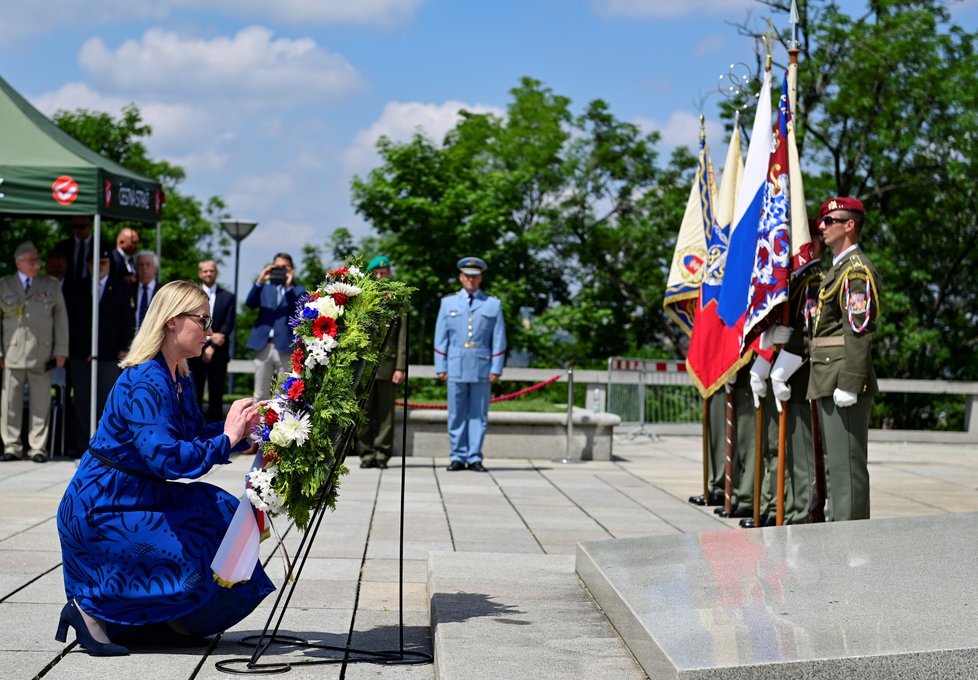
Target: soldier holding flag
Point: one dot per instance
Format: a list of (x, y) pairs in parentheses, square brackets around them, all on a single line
[(842, 376)]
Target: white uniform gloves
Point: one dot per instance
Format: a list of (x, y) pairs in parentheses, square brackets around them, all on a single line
[(784, 367), (843, 398), (758, 377), (775, 335)]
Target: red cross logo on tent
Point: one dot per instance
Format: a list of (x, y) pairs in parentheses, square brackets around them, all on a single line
[(65, 190)]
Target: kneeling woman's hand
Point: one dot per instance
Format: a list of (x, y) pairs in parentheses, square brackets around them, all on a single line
[(240, 419)]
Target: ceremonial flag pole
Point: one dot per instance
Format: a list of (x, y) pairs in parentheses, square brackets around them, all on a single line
[(802, 252), (688, 262)]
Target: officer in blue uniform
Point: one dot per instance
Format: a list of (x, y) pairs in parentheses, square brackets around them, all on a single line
[(470, 345)]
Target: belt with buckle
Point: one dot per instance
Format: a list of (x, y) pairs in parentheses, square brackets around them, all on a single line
[(831, 341), (470, 345)]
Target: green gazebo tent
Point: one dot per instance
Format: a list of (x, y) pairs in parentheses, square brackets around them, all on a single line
[(45, 172)]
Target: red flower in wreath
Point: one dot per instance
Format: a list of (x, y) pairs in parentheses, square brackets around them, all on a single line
[(298, 357), (339, 273), (314, 296), (323, 325), (340, 298), (271, 417), (296, 389)]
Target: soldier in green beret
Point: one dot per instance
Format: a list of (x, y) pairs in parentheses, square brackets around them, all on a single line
[(375, 442)]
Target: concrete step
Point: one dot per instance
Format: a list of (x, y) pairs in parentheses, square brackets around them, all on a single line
[(503, 615)]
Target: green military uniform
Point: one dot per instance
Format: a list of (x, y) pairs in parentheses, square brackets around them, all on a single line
[(799, 475), (744, 446), (843, 330), (376, 436), (717, 407)]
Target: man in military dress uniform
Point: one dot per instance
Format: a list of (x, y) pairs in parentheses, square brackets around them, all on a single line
[(842, 376), (375, 442), (470, 345), (34, 331)]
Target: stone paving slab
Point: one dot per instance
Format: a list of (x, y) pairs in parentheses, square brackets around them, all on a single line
[(522, 509), (519, 616)]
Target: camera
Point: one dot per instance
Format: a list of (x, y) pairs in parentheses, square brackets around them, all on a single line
[(277, 276)]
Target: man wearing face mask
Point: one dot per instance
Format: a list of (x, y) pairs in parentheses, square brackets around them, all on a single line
[(470, 346), (842, 377)]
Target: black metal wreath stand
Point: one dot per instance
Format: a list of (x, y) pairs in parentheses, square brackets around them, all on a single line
[(270, 635)]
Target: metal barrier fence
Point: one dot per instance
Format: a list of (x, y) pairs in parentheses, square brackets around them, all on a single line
[(662, 392)]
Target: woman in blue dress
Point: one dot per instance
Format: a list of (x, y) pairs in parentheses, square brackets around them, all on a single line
[(137, 546)]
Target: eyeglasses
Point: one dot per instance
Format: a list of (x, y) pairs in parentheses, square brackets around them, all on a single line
[(829, 220), (204, 320)]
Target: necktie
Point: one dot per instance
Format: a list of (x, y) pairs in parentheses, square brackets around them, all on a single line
[(27, 286), (471, 297), (143, 304), (79, 259)]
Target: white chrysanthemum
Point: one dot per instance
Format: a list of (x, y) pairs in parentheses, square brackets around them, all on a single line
[(347, 289), (261, 494), (290, 429), (317, 351), (355, 271), (316, 359), (327, 307)]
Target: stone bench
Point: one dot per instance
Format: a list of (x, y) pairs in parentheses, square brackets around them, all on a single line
[(515, 434)]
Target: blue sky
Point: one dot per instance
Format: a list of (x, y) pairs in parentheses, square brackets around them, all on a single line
[(276, 105)]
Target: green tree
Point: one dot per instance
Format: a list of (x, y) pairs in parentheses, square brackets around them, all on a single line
[(567, 210), (889, 113), (187, 227)]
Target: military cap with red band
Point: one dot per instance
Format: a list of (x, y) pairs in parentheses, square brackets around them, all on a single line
[(841, 203)]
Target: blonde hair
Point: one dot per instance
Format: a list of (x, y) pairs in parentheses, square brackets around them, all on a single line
[(173, 299)]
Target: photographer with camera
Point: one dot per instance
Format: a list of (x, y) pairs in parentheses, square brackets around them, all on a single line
[(275, 297)]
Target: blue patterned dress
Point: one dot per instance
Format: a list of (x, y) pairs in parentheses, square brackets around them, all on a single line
[(137, 548)]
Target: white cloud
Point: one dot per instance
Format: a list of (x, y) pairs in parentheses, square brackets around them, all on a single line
[(381, 13), (177, 128), (20, 20), (683, 129), (401, 120), (663, 9), (251, 68)]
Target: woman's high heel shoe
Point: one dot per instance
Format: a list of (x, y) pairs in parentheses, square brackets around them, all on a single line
[(71, 616)]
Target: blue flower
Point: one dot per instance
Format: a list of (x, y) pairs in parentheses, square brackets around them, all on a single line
[(309, 312)]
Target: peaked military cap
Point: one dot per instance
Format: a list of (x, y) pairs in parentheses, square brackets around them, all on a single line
[(472, 265)]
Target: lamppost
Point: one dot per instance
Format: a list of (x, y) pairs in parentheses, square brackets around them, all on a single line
[(238, 230)]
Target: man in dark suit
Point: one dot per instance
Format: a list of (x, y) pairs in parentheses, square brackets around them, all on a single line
[(115, 330), (147, 268), (212, 365), (275, 297), (77, 250), (123, 265)]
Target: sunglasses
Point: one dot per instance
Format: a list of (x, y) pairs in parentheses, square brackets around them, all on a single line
[(204, 320), (828, 220)]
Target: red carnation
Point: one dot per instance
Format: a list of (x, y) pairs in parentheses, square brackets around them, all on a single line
[(298, 357), (296, 389), (340, 298), (271, 417), (323, 325), (339, 273)]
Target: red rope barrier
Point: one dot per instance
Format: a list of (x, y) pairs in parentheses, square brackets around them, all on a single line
[(493, 400)]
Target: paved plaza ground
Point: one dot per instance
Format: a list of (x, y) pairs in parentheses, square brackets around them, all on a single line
[(517, 527)]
